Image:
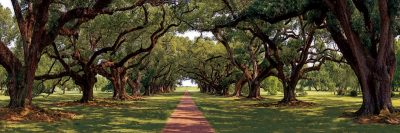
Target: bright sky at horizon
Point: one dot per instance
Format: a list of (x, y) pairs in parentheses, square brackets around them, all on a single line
[(188, 83), (7, 3)]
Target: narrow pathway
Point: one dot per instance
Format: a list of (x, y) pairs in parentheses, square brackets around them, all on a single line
[(187, 118)]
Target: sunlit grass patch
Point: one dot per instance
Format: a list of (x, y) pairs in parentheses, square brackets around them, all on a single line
[(232, 115), (148, 115)]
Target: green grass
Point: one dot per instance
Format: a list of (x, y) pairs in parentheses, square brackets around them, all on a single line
[(233, 115), (149, 115), (225, 114)]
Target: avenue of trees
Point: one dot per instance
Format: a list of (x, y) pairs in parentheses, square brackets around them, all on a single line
[(135, 48)]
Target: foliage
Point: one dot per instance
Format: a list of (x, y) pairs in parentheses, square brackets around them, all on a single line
[(101, 83), (108, 87), (8, 34), (396, 78), (272, 85), (2, 80), (8, 27), (207, 64), (332, 77)]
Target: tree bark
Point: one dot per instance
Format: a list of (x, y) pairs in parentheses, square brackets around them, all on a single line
[(135, 85), (87, 90), (225, 91), (86, 82), (376, 90), (254, 90), (238, 87), (16, 83), (374, 67), (16, 90), (119, 80), (289, 94), (146, 91)]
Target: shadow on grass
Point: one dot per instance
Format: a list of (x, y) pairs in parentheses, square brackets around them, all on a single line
[(149, 115), (229, 115)]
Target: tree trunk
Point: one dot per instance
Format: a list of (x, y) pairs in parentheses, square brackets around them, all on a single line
[(119, 90), (115, 88), (87, 90), (146, 91), (254, 90), (203, 88), (16, 90), (373, 64), (225, 91), (376, 92), (238, 87), (211, 90), (119, 82), (87, 84), (135, 85), (289, 94), (21, 83)]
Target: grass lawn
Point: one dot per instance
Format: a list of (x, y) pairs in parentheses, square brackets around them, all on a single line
[(233, 115), (225, 114), (148, 115)]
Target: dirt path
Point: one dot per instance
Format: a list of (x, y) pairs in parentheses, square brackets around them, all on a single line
[(187, 119)]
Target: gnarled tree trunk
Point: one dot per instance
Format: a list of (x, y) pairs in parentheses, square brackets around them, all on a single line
[(87, 90), (375, 81), (16, 81), (373, 63), (289, 94), (238, 87), (119, 80), (254, 89), (16, 89), (135, 85), (87, 83)]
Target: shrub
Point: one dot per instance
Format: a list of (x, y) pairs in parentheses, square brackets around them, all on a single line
[(108, 88), (353, 93), (271, 85), (392, 94)]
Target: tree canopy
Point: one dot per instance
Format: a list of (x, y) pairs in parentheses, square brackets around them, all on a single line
[(137, 46)]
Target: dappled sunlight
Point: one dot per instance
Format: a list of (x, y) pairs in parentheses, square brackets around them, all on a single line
[(230, 115), (149, 115)]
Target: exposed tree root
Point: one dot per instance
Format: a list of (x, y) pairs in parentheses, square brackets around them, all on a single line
[(34, 113), (295, 104), (249, 99), (384, 117), (99, 102), (128, 98)]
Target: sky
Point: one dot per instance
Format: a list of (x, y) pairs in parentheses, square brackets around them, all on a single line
[(188, 83), (6, 3), (190, 34)]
